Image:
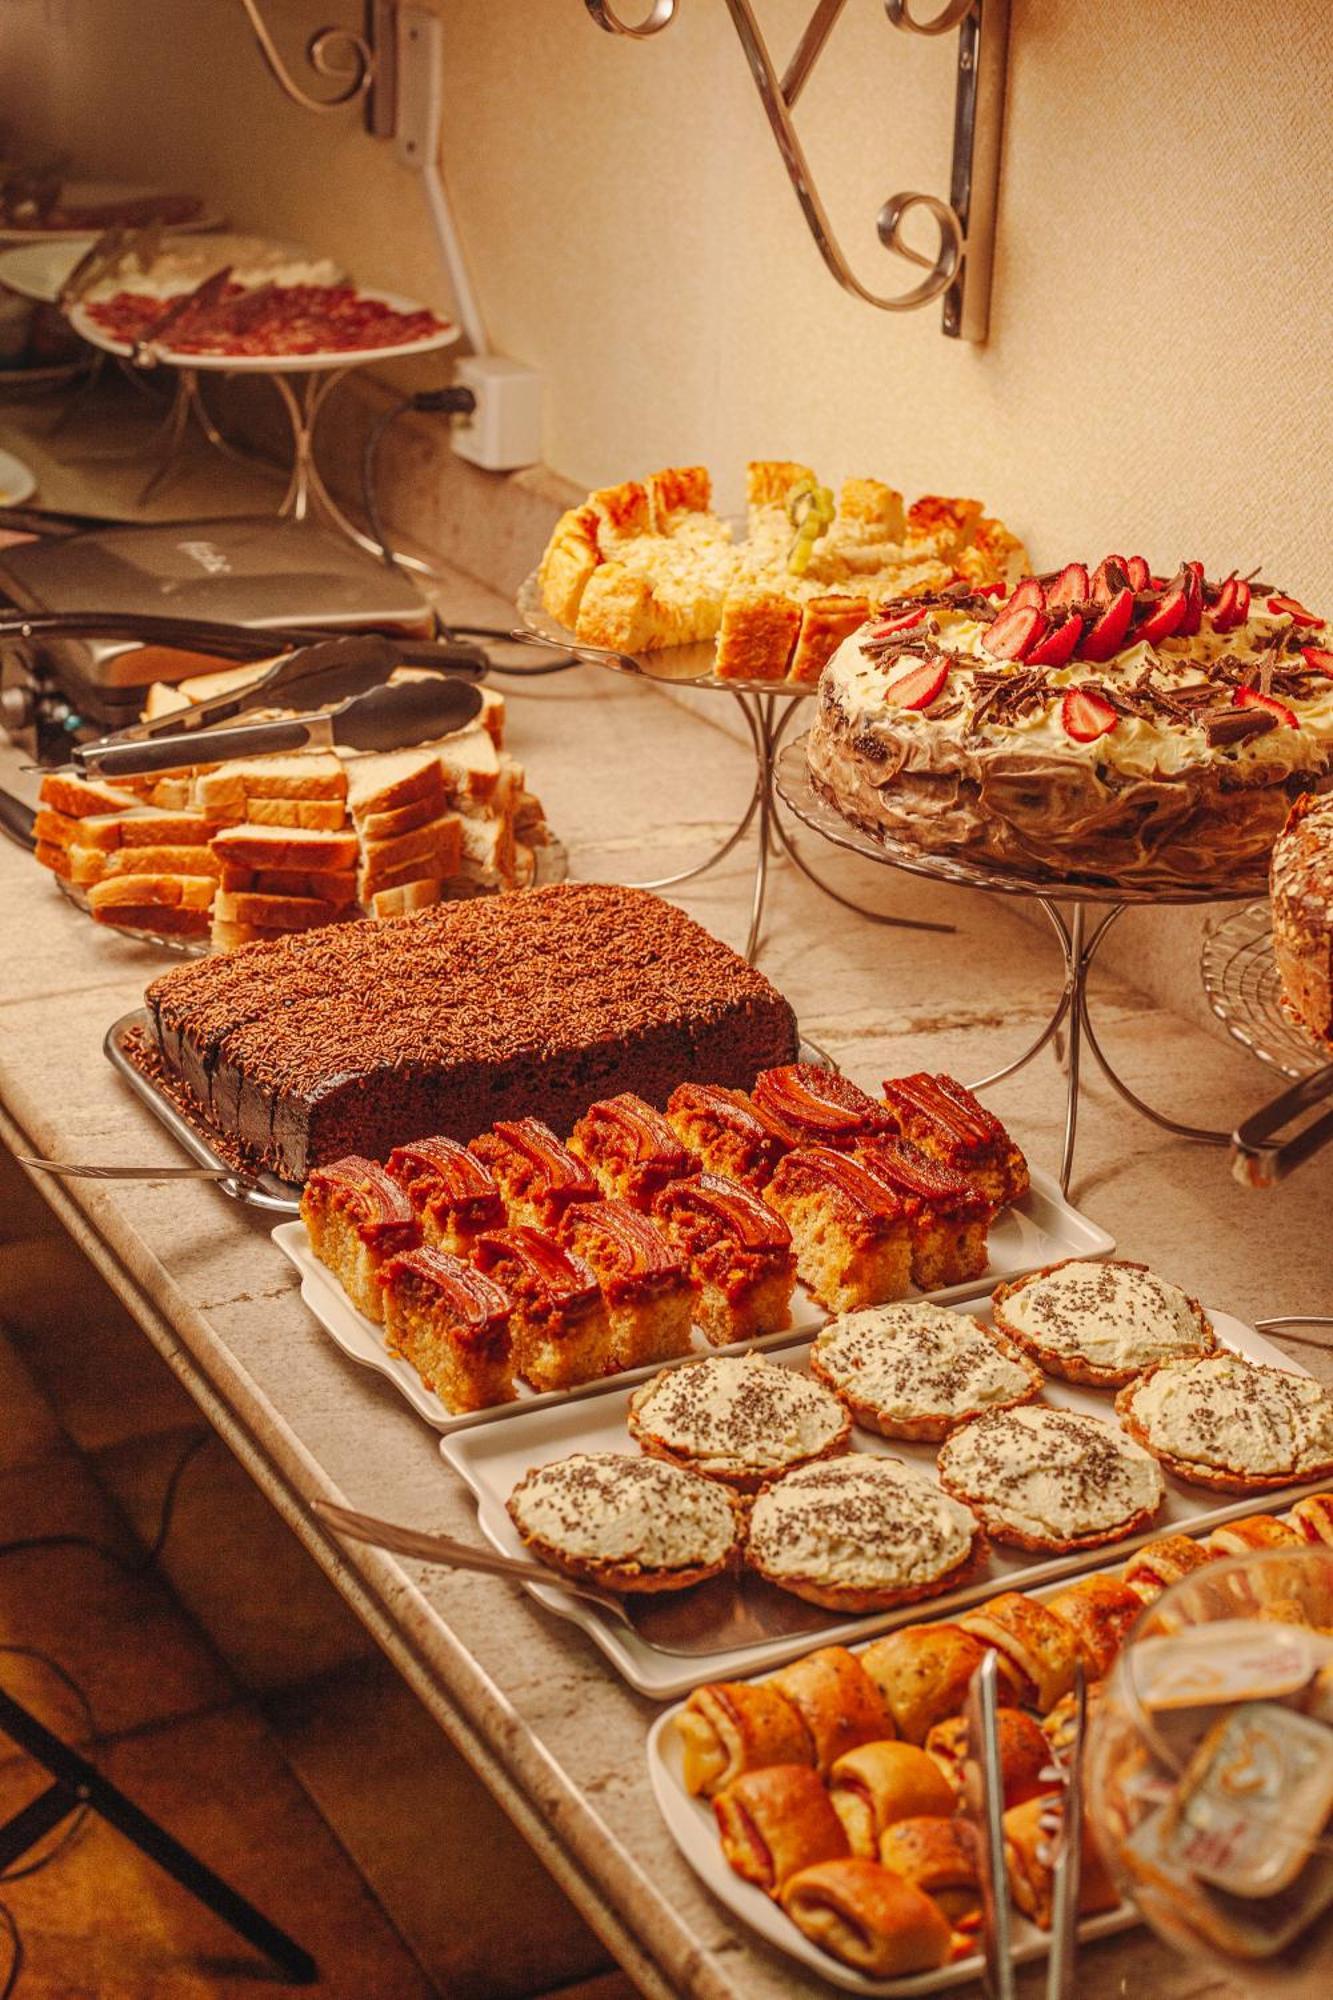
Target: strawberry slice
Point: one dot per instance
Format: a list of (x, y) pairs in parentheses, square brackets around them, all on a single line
[(1319, 658), (1104, 639), (1057, 645), (884, 628), (1070, 587), (1248, 697), (1029, 591), (1136, 569), (1086, 715), (1110, 575), (1015, 632), (1294, 610), (917, 686), (1232, 607), (1191, 578), (1167, 617)]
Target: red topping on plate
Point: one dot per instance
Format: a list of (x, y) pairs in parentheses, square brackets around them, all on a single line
[(1250, 697), (917, 686), (1086, 715)]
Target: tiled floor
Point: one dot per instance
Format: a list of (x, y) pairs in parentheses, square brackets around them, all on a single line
[(235, 1697)]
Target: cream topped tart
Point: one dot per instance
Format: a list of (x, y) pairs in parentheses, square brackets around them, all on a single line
[(1115, 726), (1100, 1323), (916, 1370), (861, 1533), (625, 1522), (1231, 1424), (1039, 1478), (737, 1418)]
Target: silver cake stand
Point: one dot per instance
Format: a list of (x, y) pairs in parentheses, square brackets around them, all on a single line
[(1081, 915), (1241, 981), (768, 708)]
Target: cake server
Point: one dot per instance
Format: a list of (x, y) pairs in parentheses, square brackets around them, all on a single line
[(388, 718)]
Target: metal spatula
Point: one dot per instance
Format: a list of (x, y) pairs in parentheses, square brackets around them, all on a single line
[(388, 718)]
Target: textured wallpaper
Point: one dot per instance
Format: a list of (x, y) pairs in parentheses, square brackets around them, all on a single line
[(1157, 376)]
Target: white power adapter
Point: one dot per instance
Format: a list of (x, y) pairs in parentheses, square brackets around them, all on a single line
[(504, 431)]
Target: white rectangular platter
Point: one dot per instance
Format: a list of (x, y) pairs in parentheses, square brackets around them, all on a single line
[(1041, 1229), (494, 1457), (694, 1830)]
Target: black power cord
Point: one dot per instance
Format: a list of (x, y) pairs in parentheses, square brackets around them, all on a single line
[(456, 400)]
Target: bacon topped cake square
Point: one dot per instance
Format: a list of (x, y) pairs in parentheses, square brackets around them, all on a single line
[(538, 1177), (631, 1149)]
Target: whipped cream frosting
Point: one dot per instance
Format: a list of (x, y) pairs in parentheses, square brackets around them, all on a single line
[(1052, 1474), (864, 1522), (608, 1507), (919, 1360), (1231, 1413), (738, 1413), (1138, 746), (1115, 1316)]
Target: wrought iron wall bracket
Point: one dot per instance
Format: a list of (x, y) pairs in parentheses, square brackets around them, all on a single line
[(959, 272)]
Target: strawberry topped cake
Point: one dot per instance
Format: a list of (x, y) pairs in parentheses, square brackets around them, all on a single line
[(1108, 726)]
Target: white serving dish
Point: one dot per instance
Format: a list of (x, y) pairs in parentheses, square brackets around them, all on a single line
[(92, 193), (492, 1458), (1041, 1229), (18, 482), (278, 364)]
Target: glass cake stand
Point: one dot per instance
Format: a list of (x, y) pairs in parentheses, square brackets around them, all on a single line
[(768, 708), (1080, 914), (1240, 978)]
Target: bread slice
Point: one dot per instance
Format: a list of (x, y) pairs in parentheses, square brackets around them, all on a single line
[(56, 857), (471, 764), (172, 794), (295, 774), (55, 829), (162, 919), (408, 896), (317, 815), (383, 780), (81, 797), (149, 890), (275, 913), (440, 839), (492, 717), (488, 853), (403, 819), (758, 636), (255, 846), (168, 859), (825, 623), (152, 827), (324, 885)]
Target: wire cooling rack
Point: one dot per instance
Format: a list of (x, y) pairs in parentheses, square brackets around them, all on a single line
[(1241, 981)]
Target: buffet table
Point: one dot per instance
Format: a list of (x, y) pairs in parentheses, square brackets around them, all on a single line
[(637, 781)]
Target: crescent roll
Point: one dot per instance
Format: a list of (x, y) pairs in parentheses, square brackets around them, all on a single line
[(1038, 1653), (774, 1822), (729, 1727), (939, 1856), (868, 1917), (836, 1700), (1025, 1754), (1031, 1838), (1099, 1611), (922, 1671), (879, 1783)]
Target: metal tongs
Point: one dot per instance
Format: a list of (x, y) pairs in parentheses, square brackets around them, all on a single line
[(1260, 1156)]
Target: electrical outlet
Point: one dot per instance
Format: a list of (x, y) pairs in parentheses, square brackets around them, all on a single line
[(504, 431)]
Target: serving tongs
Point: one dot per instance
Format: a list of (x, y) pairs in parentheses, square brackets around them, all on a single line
[(108, 255), (1260, 1155), (147, 350), (384, 718), (983, 1797)]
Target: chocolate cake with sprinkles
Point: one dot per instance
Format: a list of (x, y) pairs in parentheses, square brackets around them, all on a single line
[(366, 1036)]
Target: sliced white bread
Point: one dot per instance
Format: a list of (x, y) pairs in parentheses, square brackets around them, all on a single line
[(258, 846), (81, 797), (295, 774), (192, 892), (94, 864), (409, 896), (383, 780), (433, 852), (318, 815), (324, 885), (403, 819), (54, 855), (275, 913)]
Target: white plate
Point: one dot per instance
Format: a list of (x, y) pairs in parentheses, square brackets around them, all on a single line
[(280, 364), (492, 1458), (106, 192), (36, 271), (692, 1826), (1041, 1229), (18, 482)]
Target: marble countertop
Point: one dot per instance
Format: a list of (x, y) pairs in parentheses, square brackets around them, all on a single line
[(638, 784)]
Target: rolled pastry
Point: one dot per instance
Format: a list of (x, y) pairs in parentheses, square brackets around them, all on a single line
[(1025, 1754), (1037, 1651), (1058, 1727), (1099, 1611), (1312, 1518), (868, 1918), (922, 1671), (1031, 1838), (879, 1783), (940, 1857), (777, 1821), (1161, 1563), (730, 1727), (836, 1700), (1255, 1532)]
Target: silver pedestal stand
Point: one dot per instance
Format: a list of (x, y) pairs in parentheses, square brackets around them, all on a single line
[(768, 708), (1081, 917)]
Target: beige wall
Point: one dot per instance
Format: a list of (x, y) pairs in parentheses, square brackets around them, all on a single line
[(1157, 374)]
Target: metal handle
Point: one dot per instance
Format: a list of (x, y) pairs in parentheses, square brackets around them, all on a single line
[(202, 746), (1259, 1155), (68, 1170), (430, 1547), (18, 821)]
